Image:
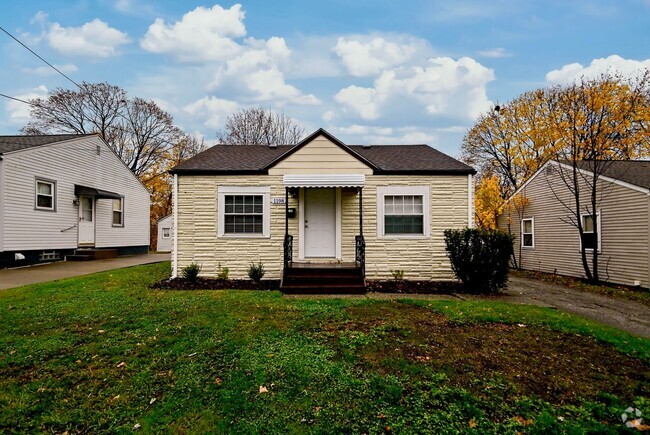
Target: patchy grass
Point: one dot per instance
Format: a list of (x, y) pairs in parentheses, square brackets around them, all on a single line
[(617, 291), (102, 353)]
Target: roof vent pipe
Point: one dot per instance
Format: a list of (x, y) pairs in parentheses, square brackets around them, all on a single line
[(367, 146)]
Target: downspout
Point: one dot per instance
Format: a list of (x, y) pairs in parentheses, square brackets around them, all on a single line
[(175, 227), (470, 201)]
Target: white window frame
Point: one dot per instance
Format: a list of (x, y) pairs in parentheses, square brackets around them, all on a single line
[(265, 191), (169, 232), (423, 191), (532, 233), (598, 228), (121, 224), (36, 194)]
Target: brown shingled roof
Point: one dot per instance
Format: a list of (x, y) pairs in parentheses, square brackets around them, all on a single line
[(17, 143), (395, 159)]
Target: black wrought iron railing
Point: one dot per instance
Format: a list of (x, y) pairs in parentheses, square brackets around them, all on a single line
[(288, 250), (360, 253)]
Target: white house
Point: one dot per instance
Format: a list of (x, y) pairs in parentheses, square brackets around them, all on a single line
[(165, 234), (59, 193)]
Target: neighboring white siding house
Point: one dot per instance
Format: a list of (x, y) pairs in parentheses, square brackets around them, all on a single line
[(61, 192), (165, 234)]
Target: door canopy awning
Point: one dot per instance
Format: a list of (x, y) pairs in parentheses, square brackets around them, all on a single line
[(325, 180), (97, 193)]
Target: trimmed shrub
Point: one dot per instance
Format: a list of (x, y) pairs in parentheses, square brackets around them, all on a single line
[(479, 258), (256, 271), (191, 272)]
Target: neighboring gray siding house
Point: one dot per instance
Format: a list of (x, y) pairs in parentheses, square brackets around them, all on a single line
[(551, 244), (62, 192), (164, 234)]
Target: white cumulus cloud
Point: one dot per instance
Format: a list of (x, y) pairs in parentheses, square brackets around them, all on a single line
[(212, 111), (495, 52), (203, 34), (19, 112), (612, 64), (67, 68), (444, 87), (93, 39), (367, 56)]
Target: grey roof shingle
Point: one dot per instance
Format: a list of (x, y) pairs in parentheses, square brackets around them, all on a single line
[(386, 158), (17, 143), (635, 172)]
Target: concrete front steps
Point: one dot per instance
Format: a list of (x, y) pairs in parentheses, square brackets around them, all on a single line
[(315, 279), (89, 254)]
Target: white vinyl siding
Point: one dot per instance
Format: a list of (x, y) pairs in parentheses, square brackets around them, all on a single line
[(86, 161)]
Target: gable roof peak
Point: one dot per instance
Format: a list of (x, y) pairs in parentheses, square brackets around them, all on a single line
[(322, 132)]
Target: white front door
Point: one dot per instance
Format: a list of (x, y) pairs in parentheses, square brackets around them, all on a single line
[(320, 223), (86, 220)]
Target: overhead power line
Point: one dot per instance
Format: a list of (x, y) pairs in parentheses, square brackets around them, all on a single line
[(36, 54)]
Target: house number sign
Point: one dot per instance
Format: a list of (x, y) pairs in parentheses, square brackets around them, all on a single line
[(278, 201)]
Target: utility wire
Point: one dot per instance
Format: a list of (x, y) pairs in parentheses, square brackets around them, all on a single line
[(36, 54), (18, 99)]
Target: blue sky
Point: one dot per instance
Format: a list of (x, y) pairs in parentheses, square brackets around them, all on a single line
[(368, 71)]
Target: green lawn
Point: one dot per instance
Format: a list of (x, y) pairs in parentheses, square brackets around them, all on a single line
[(104, 353)]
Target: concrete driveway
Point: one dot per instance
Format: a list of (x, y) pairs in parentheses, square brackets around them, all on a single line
[(10, 278), (629, 316)]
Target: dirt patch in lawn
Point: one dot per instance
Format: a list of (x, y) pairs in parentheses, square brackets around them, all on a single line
[(558, 367)]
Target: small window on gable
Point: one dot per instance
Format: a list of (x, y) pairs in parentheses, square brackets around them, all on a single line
[(45, 195), (528, 233), (165, 233), (118, 212), (590, 239)]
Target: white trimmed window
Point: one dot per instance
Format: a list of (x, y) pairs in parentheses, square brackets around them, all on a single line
[(403, 211), (165, 233), (118, 212), (528, 233), (588, 239), (45, 198), (244, 211)]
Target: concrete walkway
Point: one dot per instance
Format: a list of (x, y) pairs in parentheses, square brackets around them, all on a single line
[(10, 278)]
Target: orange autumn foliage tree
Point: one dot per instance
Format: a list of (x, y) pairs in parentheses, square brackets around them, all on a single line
[(159, 181), (488, 202), (512, 141)]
